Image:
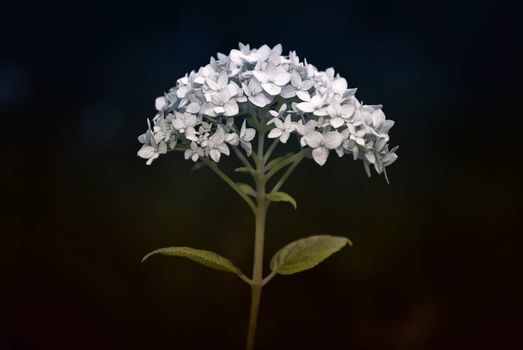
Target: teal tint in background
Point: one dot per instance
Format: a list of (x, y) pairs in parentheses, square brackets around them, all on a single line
[(435, 262)]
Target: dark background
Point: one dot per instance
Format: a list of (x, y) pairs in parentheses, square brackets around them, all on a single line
[(435, 262)]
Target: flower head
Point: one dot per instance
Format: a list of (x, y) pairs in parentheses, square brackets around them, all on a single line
[(218, 106)]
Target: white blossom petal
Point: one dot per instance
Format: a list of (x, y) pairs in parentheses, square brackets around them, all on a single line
[(327, 115), (339, 85), (332, 139), (303, 95), (231, 108), (274, 133), (336, 122), (306, 107), (320, 155), (284, 136), (193, 107), (371, 157), (249, 135), (271, 88), (146, 152), (282, 78), (313, 139), (160, 103), (260, 100), (215, 155)]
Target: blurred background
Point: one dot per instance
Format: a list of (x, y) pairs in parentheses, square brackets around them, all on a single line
[(436, 256)]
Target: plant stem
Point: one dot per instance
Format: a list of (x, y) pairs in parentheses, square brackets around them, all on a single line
[(230, 182), (255, 305), (287, 173), (259, 214)]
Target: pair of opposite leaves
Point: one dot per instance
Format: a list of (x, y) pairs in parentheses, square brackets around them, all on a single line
[(297, 256)]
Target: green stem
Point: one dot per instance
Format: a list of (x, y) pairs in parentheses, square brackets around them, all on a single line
[(242, 158), (255, 306), (286, 162), (271, 148), (287, 173), (259, 237), (260, 211), (230, 182)]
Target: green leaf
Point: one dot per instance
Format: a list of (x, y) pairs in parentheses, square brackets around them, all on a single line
[(243, 169), (204, 257), (281, 197), (306, 253), (197, 166), (277, 161), (248, 190)]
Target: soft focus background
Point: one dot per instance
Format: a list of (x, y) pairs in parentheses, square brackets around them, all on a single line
[(436, 257)]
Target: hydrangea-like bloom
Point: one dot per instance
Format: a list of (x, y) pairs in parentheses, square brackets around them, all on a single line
[(207, 110)]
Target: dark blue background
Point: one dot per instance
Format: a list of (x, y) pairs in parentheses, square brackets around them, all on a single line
[(436, 260)]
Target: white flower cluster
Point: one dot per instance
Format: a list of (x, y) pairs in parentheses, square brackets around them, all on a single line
[(207, 110)]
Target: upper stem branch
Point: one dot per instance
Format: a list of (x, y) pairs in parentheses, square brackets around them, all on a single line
[(230, 182), (287, 173), (286, 162)]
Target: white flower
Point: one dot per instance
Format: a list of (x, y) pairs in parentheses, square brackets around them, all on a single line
[(244, 139), (205, 73), (340, 114), (340, 150), (194, 152), (244, 55), (272, 78), (216, 145), (282, 130), (246, 136), (153, 145), (160, 103), (149, 153), (255, 93), (312, 104), (304, 129), (297, 85), (280, 112), (199, 114), (328, 82), (381, 125), (357, 132), (184, 121), (322, 144)]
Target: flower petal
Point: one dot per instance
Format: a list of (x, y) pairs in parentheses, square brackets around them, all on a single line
[(339, 85), (260, 76), (215, 155), (303, 95), (284, 136), (288, 91), (279, 124), (332, 139), (282, 78), (271, 88), (160, 103), (247, 147), (336, 122), (146, 152), (193, 107), (260, 100), (371, 157), (274, 133), (263, 53), (223, 148), (231, 108), (249, 134), (305, 107), (320, 155), (313, 139)]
